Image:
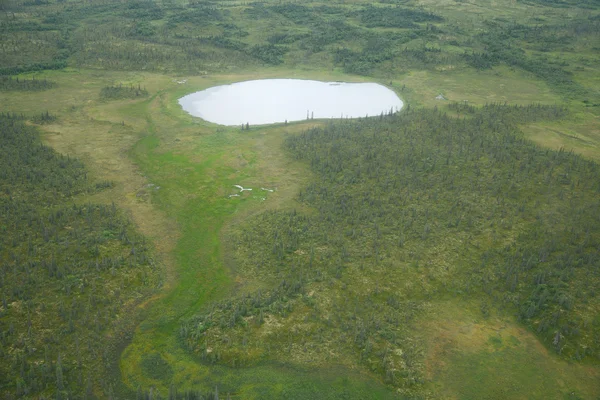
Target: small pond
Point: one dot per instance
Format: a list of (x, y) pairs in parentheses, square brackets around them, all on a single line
[(268, 101)]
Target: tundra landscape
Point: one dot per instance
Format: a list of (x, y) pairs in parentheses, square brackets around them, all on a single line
[(443, 246)]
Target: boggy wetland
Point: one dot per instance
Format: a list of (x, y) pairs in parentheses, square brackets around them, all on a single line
[(160, 240)]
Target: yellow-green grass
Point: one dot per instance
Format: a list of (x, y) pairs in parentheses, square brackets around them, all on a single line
[(195, 164), (499, 85), (580, 134), (472, 357)]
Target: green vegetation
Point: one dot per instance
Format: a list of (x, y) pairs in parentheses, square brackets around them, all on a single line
[(372, 39), (394, 17), (68, 272), (500, 42), (8, 83), (394, 200), (120, 92), (435, 253)]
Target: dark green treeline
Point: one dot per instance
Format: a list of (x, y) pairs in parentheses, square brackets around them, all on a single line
[(68, 272)]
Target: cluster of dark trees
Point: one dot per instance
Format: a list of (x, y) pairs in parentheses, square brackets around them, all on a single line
[(553, 193), (395, 17), (67, 271), (523, 221), (114, 92), (43, 118), (8, 83), (40, 66), (503, 43)]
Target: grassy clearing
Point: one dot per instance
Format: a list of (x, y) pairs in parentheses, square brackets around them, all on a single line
[(581, 135), (497, 357), (501, 85)]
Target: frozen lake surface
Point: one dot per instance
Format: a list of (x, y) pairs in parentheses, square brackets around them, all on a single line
[(267, 101)]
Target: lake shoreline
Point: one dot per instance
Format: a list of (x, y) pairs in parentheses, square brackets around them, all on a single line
[(268, 101)]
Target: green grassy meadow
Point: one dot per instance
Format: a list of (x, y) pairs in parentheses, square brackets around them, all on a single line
[(324, 307)]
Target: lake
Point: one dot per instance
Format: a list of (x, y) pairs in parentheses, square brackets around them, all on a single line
[(268, 101)]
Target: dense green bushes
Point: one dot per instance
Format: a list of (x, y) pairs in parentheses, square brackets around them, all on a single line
[(67, 272), (30, 169), (461, 206), (8, 83), (552, 196), (395, 17), (268, 53), (114, 92), (503, 45)]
